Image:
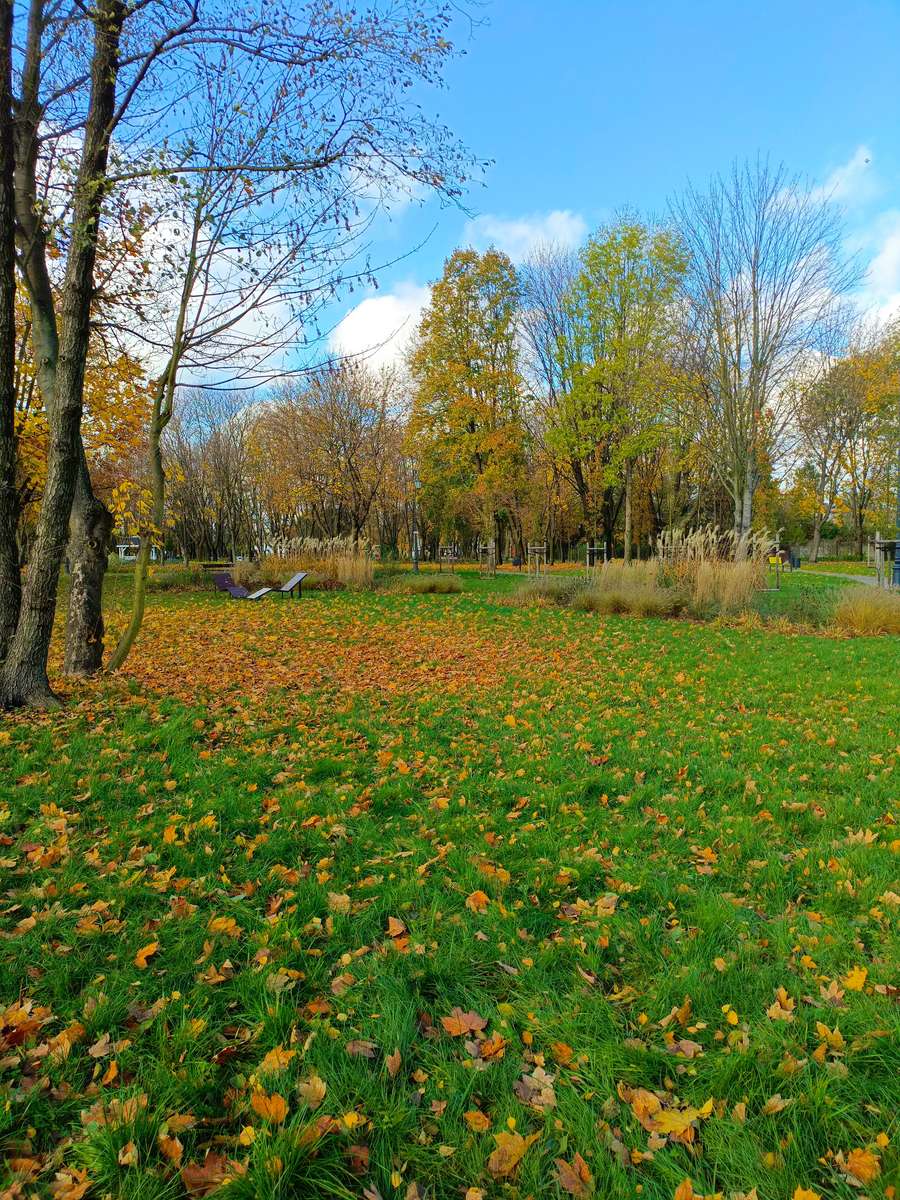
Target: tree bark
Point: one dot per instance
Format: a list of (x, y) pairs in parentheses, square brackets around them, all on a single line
[(162, 410), (629, 481), (816, 539), (10, 579), (61, 362), (90, 531)]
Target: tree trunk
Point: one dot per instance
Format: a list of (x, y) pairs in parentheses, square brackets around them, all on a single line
[(90, 530), (157, 515), (629, 480), (816, 539), (24, 675), (10, 578)]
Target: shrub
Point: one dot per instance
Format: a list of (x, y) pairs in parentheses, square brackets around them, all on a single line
[(430, 583), (549, 589), (868, 610), (812, 606), (177, 578), (639, 597)]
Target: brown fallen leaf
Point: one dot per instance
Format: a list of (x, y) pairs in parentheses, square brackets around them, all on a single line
[(362, 1048), (575, 1177), (393, 1063), (460, 1023), (200, 1179)]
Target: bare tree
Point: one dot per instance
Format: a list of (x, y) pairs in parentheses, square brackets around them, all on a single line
[(767, 270), (292, 148)]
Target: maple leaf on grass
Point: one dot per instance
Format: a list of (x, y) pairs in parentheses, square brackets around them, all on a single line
[(574, 1177), (459, 1023), (200, 1179), (511, 1148), (271, 1108), (145, 952)]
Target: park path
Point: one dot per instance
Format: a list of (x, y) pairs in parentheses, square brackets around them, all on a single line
[(867, 579)]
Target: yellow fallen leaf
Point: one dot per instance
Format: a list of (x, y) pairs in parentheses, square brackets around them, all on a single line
[(277, 1059), (312, 1091), (510, 1149), (477, 1121), (855, 979), (145, 952)]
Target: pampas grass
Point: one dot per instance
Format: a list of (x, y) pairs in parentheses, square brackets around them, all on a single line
[(330, 562)]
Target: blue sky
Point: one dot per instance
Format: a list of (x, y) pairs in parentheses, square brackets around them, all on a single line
[(586, 107)]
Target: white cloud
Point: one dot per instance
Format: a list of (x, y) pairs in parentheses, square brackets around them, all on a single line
[(853, 183), (878, 245), (518, 236), (380, 327)]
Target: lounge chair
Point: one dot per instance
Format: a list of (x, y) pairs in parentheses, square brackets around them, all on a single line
[(294, 583), (237, 592), (223, 581)]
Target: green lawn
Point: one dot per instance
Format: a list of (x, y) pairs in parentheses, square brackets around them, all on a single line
[(383, 895)]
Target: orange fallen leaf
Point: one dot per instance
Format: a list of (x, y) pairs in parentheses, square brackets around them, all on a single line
[(271, 1108), (460, 1023), (477, 1121), (145, 952)]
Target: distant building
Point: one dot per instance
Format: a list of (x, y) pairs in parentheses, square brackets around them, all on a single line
[(128, 548)]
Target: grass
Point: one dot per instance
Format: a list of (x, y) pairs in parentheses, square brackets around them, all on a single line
[(333, 822), (838, 566)]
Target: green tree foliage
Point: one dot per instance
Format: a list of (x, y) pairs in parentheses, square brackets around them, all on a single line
[(614, 358)]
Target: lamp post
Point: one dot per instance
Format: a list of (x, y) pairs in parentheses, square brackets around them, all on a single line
[(417, 483), (895, 580)]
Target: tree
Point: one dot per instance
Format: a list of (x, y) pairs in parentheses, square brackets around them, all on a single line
[(621, 305), (466, 430), (296, 137), (767, 270), (825, 416)]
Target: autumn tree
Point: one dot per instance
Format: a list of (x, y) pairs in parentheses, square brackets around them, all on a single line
[(767, 270), (294, 142), (466, 430), (620, 304)]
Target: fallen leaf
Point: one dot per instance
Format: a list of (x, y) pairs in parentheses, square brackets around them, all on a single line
[(460, 1023), (145, 952), (575, 1177), (271, 1108), (510, 1149)]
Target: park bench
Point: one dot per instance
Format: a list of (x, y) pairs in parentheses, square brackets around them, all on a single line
[(238, 592), (295, 583)]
